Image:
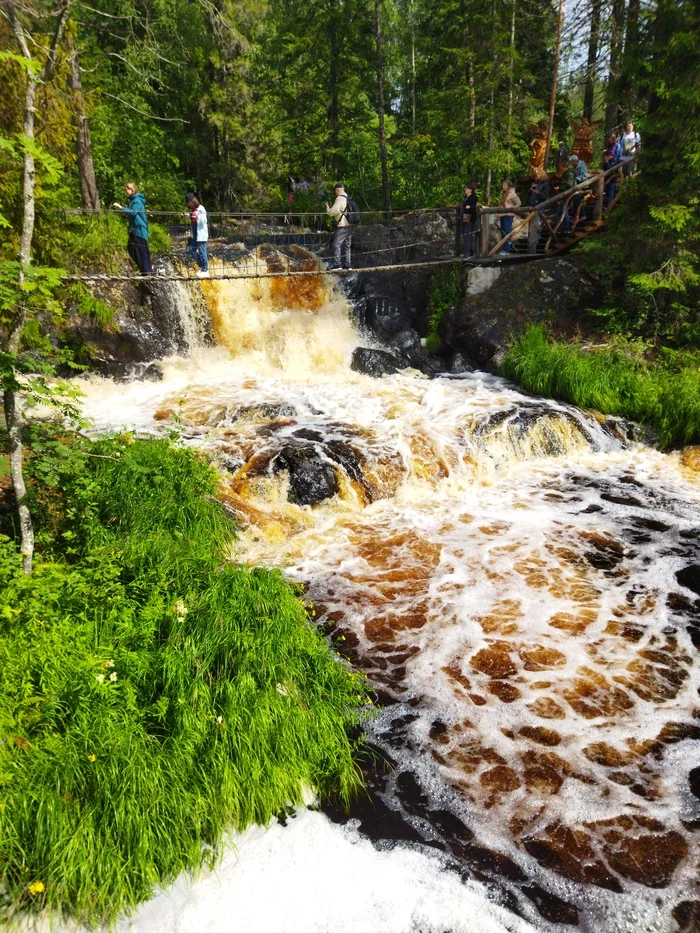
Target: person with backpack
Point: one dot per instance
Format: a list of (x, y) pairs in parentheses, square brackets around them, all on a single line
[(347, 213), (197, 243)]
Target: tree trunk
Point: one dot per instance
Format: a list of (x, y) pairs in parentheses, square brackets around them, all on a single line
[(11, 401), (511, 67), (592, 61), (333, 116), (629, 58), (386, 191), (89, 196), (612, 109), (555, 83), (492, 104)]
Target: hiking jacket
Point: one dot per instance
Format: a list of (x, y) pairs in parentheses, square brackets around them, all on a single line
[(136, 212), (541, 193), (339, 210), (200, 229), (468, 206), (509, 198)]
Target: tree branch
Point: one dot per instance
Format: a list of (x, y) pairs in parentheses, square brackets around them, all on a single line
[(143, 113)]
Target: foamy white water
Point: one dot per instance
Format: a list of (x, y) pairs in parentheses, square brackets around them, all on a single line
[(504, 570)]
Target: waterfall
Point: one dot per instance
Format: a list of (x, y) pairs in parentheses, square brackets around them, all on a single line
[(504, 569)]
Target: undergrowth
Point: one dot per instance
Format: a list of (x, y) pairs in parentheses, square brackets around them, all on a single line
[(98, 242), (445, 290), (663, 394), (152, 693)]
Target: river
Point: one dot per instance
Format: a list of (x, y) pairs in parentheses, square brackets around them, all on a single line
[(512, 575)]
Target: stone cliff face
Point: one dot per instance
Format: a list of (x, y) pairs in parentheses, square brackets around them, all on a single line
[(498, 306)]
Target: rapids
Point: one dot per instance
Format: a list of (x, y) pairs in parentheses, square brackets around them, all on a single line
[(509, 572)]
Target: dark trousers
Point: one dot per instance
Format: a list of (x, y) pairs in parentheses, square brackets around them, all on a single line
[(467, 231), (342, 243), (506, 227), (137, 248)]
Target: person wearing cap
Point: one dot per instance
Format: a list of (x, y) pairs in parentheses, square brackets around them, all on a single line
[(197, 243)]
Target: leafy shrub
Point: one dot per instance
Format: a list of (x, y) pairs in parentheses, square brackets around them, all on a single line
[(664, 395), (151, 692), (445, 290)]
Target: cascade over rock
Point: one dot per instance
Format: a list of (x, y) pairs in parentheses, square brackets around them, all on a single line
[(484, 324)]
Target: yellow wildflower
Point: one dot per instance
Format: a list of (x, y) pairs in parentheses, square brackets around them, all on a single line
[(36, 887), (92, 757)]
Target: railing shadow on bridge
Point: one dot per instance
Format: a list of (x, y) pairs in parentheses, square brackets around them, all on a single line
[(259, 244)]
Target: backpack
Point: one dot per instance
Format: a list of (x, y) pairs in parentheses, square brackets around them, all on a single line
[(352, 211)]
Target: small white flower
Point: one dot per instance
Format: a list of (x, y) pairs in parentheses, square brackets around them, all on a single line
[(100, 678), (219, 719), (113, 677), (109, 663), (180, 609), (280, 688)]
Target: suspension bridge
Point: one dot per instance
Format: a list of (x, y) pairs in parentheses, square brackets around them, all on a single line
[(288, 243)]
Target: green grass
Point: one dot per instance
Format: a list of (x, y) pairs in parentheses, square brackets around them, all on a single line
[(151, 693), (663, 394), (444, 291)]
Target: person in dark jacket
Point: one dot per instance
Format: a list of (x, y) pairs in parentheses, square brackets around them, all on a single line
[(539, 193), (466, 219), (137, 246), (612, 154)]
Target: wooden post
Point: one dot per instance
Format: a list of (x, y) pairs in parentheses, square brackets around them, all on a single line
[(484, 234), (532, 234), (599, 189)]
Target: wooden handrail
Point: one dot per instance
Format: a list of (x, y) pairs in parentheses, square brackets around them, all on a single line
[(588, 183)]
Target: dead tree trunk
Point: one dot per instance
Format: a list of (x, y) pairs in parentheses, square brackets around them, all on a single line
[(386, 191), (555, 84), (592, 60), (11, 396), (89, 195)]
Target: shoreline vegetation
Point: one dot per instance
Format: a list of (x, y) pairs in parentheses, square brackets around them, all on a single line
[(152, 694), (662, 394)]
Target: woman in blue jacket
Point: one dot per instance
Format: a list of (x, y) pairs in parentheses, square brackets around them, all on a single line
[(137, 246)]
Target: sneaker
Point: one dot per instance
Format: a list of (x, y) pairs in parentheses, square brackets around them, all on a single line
[(203, 274)]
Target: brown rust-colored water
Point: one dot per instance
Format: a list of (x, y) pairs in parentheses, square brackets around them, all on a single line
[(505, 571)]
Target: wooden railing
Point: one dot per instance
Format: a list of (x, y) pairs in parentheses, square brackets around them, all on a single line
[(544, 220)]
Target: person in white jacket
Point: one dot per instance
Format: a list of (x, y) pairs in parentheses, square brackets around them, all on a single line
[(197, 243)]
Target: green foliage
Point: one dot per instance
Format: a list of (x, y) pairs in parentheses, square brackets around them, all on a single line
[(444, 292), (664, 394), (89, 306), (152, 694)]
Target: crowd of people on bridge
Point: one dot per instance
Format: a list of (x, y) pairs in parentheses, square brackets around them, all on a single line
[(572, 171)]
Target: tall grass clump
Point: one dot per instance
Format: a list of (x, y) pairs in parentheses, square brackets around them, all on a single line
[(152, 694), (663, 395), (444, 291)]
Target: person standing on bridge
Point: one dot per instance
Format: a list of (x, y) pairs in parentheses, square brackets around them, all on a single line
[(466, 218), (580, 174), (342, 241), (509, 199), (137, 244), (197, 243)]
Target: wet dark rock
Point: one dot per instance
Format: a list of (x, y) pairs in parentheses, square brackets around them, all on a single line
[(570, 853), (406, 343), (550, 906), (694, 782), (255, 413), (451, 827), (411, 795), (374, 362), (458, 364), (689, 577), (622, 500), (311, 478), (485, 861), (553, 290), (687, 916)]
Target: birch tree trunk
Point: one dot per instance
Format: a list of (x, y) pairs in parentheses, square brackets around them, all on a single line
[(11, 397)]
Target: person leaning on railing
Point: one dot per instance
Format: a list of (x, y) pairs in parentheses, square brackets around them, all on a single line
[(509, 199)]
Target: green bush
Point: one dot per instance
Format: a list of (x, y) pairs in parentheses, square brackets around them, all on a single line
[(151, 692), (663, 394), (445, 290)]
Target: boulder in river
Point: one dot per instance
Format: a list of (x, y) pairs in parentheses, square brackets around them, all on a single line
[(483, 325), (311, 478), (374, 362)]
